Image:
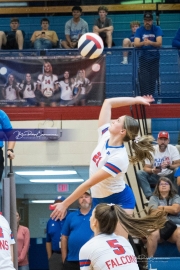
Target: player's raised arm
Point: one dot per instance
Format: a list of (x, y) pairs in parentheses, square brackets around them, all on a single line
[(110, 103)]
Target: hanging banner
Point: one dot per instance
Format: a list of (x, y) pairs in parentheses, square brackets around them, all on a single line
[(52, 81)]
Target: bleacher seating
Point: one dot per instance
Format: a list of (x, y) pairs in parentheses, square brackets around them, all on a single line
[(168, 22), (120, 79), (172, 125)]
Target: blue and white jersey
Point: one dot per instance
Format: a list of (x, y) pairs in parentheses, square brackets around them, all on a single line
[(113, 160), (107, 252)]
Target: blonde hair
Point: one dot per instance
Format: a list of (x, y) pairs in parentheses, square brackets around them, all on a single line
[(134, 23), (49, 64), (142, 146), (108, 215)]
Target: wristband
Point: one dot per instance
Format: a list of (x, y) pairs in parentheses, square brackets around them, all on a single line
[(10, 150)]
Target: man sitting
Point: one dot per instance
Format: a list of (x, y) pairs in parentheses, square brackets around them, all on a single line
[(74, 29), (45, 38), (103, 27), (13, 39), (165, 161)]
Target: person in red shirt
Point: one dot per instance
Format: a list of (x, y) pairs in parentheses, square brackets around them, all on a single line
[(23, 240)]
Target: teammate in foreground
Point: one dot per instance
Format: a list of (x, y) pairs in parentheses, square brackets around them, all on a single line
[(6, 245), (107, 250), (109, 160)]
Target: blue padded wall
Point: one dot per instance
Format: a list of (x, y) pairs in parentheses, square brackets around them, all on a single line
[(167, 249)]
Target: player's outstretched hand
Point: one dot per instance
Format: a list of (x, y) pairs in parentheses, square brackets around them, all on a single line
[(145, 100), (59, 211)]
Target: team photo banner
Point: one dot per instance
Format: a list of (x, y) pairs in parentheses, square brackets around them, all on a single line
[(52, 81)]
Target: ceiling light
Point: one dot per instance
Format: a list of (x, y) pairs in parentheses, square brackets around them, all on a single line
[(56, 180), (42, 201), (46, 172)]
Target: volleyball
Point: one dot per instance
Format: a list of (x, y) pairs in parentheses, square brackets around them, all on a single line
[(90, 45), (48, 92)]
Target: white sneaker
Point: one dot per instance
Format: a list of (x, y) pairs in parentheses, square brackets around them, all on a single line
[(124, 62)]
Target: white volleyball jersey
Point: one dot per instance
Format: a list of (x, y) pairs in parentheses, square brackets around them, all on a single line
[(107, 252), (47, 84), (113, 160), (83, 85), (10, 93), (6, 240), (66, 91), (29, 90)]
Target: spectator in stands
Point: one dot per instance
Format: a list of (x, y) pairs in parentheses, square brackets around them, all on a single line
[(148, 37), (165, 198), (129, 42), (165, 161), (103, 27), (53, 240), (176, 40), (74, 29), (76, 232), (45, 38), (23, 242), (13, 39)]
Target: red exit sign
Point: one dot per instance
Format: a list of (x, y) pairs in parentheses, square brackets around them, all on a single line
[(62, 187)]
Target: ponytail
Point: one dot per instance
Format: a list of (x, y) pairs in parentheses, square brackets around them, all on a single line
[(140, 227), (142, 148)]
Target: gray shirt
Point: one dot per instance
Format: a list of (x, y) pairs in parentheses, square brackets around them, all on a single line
[(108, 22), (155, 202), (75, 30)]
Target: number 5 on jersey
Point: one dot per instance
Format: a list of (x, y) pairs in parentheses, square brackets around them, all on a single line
[(118, 249)]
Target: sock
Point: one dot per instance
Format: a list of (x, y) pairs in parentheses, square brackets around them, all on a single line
[(125, 59)]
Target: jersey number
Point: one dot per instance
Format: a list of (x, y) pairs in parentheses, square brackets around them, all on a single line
[(1, 233), (47, 82), (118, 249), (97, 158)]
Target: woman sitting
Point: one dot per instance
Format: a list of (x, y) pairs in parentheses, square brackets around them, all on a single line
[(165, 198)]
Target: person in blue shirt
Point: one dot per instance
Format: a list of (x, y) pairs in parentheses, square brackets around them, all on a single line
[(76, 232), (129, 42), (148, 37), (5, 127), (53, 240), (176, 41)]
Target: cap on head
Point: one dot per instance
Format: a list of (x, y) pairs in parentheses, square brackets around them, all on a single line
[(148, 16), (59, 199), (163, 134)]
